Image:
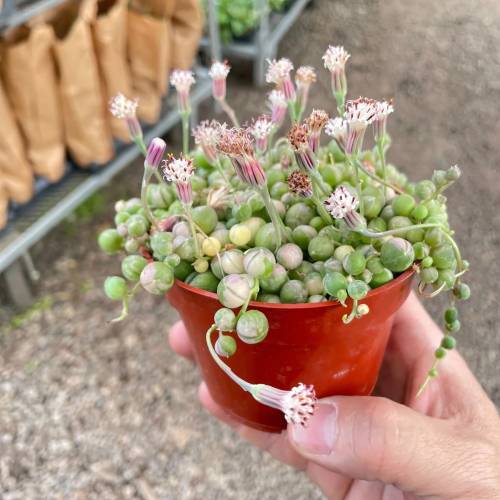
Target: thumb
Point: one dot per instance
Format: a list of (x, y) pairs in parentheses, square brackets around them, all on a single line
[(377, 439)]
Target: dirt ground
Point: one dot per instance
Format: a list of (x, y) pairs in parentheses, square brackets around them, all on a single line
[(93, 411)]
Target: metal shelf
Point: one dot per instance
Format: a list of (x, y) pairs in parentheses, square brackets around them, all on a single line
[(38, 217), (264, 42), (17, 12)]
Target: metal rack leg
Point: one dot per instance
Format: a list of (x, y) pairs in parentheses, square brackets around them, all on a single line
[(17, 285)]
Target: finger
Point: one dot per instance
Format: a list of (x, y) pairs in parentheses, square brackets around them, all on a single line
[(179, 341), (375, 439), (278, 446)]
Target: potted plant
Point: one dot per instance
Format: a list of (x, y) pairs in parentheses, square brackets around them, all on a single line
[(286, 259)]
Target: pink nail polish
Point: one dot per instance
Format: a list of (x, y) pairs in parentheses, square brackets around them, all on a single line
[(320, 433)]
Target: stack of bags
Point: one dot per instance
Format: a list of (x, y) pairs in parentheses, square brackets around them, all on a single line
[(59, 72)]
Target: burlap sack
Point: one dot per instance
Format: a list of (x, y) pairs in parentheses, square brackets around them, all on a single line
[(187, 28), (149, 56), (15, 171), (30, 79), (155, 8), (86, 121), (110, 35)]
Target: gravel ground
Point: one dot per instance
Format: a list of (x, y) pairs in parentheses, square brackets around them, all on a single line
[(93, 411)]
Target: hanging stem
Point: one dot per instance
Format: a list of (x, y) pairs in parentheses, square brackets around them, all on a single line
[(428, 378), (148, 172), (229, 112), (125, 304), (378, 179), (381, 156), (456, 250), (246, 386), (279, 227), (347, 319)]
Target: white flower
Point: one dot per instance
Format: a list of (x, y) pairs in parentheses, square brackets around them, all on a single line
[(207, 133), (121, 107), (383, 109), (219, 70), (336, 128), (178, 170), (341, 202), (360, 113), (335, 58), (182, 80), (297, 404), (262, 127), (279, 70)]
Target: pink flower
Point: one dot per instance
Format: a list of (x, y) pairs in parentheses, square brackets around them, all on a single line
[(125, 109), (342, 204), (358, 115), (206, 135), (182, 80), (315, 123), (218, 72), (299, 139), (337, 128), (261, 129), (382, 110), (179, 171), (237, 144), (279, 74), (304, 78), (155, 152), (335, 59), (297, 404)]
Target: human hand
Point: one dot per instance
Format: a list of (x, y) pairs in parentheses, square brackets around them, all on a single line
[(444, 444)]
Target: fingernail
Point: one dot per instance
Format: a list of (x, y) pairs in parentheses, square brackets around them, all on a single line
[(319, 435)]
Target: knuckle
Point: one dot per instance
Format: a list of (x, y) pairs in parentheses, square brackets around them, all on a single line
[(380, 438)]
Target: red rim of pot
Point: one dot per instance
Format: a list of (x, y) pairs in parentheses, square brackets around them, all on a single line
[(317, 305)]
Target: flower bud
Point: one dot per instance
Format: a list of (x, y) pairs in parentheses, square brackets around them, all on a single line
[(155, 152), (259, 262), (453, 173), (252, 327), (225, 346), (225, 320), (439, 178), (115, 288), (233, 290), (157, 278), (397, 254)]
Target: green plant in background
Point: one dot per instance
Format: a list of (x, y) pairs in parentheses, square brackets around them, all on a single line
[(238, 18), (286, 221)]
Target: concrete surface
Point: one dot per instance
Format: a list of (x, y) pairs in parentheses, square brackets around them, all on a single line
[(93, 411)]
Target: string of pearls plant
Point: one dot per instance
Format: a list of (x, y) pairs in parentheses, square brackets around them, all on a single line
[(265, 212)]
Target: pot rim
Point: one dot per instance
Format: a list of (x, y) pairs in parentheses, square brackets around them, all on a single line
[(406, 275)]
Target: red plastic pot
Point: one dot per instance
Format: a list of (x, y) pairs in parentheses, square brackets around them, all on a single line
[(306, 343)]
